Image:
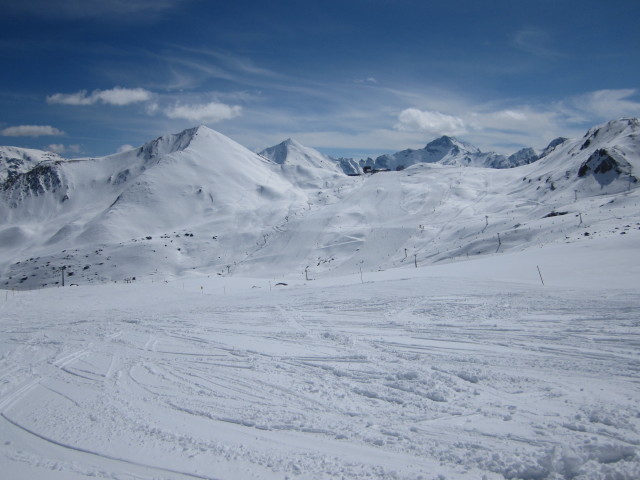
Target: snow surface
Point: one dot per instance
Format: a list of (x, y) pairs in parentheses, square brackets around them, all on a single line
[(462, 371)]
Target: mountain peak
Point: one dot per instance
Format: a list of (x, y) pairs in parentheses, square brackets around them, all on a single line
[(292, 152), (169, 143), (444, 140), (618, 125), (613, 128), (174, 142), (523, 156), (552, 145), (291, 142), (284, 151), (447, 150), (449, 143), (278, 153)]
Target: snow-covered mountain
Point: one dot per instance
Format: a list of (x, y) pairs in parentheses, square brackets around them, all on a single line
[(180, 178), (451, 151), (291, 152), (444, 150), (196, 179), (198, 201), (15, 161), (303, 166)]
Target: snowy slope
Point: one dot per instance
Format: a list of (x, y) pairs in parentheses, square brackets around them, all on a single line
[(463, 371), (431, 213), (199, 201)]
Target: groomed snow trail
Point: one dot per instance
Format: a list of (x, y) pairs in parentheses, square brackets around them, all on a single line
[(407, 378)]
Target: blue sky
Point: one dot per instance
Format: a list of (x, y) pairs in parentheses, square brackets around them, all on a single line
[(349, 77)]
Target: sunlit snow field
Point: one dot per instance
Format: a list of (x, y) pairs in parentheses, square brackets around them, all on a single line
[(462, 371)]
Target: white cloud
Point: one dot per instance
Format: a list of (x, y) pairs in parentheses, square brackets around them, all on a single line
[(61, 148), (208, 112), (79, 98), (125, 148), (414, 120), (123, 96), (31, 131), (116, 96)]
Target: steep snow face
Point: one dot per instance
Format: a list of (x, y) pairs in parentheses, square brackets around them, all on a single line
[(552, 146), (30, 177), (170, 143), (350, 166), (606, 166), (46, 178), (15, 161), (522, 157)]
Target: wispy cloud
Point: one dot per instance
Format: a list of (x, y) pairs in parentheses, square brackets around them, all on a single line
[(121, 10), (191, 68), (234, 62), (31, 131), (116, 96), (535, 41), (603, 104), (208, 112), (370, 80)]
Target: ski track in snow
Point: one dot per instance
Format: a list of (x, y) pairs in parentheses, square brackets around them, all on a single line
[(413, 378)]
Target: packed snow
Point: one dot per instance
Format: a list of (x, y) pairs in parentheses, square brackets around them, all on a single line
[(461, 371)]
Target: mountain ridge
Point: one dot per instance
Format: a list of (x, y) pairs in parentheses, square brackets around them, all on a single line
[(198, 201), (447, 150)]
